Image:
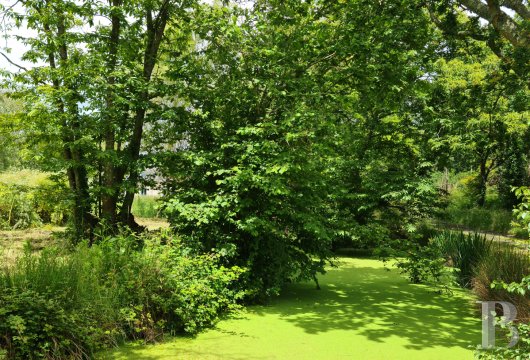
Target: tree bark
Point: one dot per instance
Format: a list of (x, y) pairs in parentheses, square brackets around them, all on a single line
[(83, 220), (155, 33), (109, 197), (492, 12)]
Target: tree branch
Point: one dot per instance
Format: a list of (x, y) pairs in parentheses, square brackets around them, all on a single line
[(521, 9), (502, 22), (13, 63)]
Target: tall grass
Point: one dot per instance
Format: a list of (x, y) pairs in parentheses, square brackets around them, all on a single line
[(54, 306), (504, 263), (464, 251), (480, 261)]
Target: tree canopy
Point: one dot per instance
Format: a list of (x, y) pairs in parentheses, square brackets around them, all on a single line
[(275, 130)]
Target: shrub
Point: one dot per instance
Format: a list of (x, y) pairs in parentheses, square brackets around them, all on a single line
[(522, 211), (519, 352), (519, 232), (423, 264), (29, 199), (166, 287), (424, 232), (17, 208), (464, 251), (55, 305), (362, 237)]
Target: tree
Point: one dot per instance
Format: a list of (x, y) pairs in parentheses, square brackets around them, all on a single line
[(293, 117), (92, 92), (501, 24), (11, 138), (513, 28), (480, 110)]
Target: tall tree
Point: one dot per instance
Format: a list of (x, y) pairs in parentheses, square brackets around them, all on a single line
[(480, 109), (11, 138), (501, 24), (293, 110), (96, 72)]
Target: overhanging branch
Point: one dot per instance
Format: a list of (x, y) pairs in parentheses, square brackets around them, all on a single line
[(12, 62)]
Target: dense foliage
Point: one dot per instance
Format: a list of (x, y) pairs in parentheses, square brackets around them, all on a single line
[(59, 305), (31, 198), (277, 132)]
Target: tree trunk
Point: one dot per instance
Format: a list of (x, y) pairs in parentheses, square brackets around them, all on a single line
[(109, 197), (482, 185), (155, 32)]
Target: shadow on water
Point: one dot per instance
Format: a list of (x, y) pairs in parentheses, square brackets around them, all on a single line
[(377, 303), (359, 301)]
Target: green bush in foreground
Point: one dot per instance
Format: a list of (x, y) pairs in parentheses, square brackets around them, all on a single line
[(56, 306), (422, 264), (521, 351)]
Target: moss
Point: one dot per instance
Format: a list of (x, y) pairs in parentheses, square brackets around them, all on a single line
[(362, 312)]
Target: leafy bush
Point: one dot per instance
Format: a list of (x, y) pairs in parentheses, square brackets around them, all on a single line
[(53, 306), (423, 233), (423, 264), (362, 237), (57, 305), (465, 252), (462, 210), (17, 210), (165, 287), (519, 352), (29, 199), (519, 232), (522, 212)]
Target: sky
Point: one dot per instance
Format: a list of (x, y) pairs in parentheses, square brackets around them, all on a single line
[(17, 49)]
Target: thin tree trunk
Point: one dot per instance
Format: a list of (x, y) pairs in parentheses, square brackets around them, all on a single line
[(109, 197), (83, 220), (482, 186), (155, 32)]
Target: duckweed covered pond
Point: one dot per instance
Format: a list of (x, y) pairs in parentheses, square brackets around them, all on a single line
[(362, 312)]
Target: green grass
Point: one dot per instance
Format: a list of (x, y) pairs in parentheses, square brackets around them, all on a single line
[(145, 206), (362, 312), (25, 177), (484, 220), (12, 242)]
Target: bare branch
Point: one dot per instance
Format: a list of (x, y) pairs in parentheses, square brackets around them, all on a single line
[(13, 63)]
